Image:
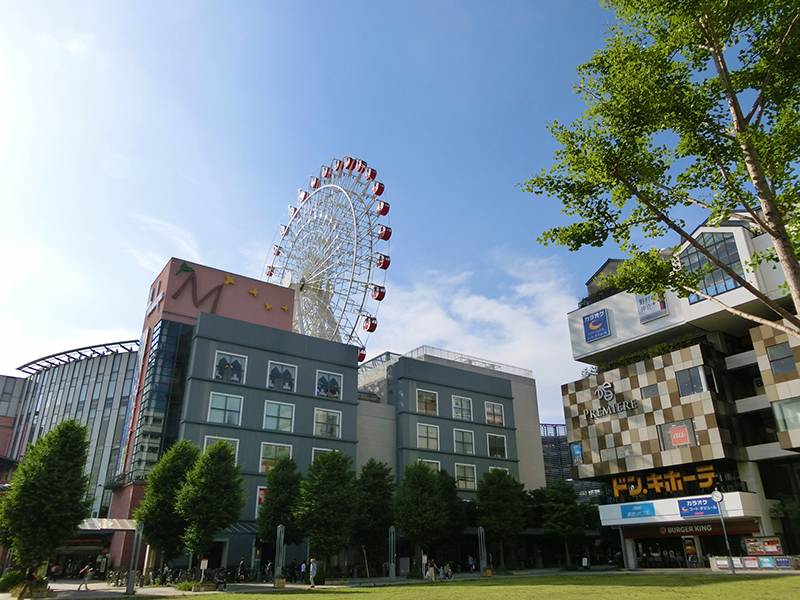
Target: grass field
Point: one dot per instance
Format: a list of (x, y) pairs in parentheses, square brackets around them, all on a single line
[(582, 587)]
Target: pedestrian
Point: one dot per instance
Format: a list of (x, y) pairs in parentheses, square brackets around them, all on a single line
[(312, 571), (221, 579), (165, 575), (491, 561), (432, 570), (86, 573), (30, 577), (55, 572), (471, 563), (303, 572)]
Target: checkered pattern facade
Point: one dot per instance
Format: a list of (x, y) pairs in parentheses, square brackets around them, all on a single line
[(628, 441), (778, 387)]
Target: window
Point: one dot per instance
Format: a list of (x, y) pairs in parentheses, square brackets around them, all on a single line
[(326, 423), (498, 469), (723, 246), (497, 446), (679, 434), (329, 385), (433, 464), (427, 436), (281, 377), (650, 391), (278, 416), (781, 359), (230, 367), (465, 477), (426, 402), (271, 454), (315, 452), (787, 414), (691, 381), (260, 495), (210, 439), (225, 409), (462, 408), (463, 441), (494, 413)]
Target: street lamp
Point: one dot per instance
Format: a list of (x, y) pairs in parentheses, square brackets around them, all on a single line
[(716, 496)]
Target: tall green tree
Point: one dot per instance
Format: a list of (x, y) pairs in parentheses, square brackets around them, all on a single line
[(47, 497), (280, 504), (374, 507), (211, 498), (163, 525), (326, 500), (556, 509), (501, 509), (420, 507), (692, 106), (453, 518)]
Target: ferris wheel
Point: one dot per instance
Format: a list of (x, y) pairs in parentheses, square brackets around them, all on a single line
[(333, 252)]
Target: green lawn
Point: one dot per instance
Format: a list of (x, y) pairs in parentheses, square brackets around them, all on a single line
[(581, 587)]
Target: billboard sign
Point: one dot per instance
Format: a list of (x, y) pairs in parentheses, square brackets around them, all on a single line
[(697, 507), (651, 307), (679, 435), (595, 325)]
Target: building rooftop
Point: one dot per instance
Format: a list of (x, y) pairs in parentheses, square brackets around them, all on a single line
[(63, 358)]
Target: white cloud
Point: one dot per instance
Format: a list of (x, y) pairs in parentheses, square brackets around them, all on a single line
[(525, 325), (163, 241)]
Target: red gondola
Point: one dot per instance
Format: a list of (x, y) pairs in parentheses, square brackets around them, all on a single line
[(362, 354), (313, 183), (276, 250), (361, 166), (326, 172), (383, 261), (349, 163), (269, 271), (378, 292), (284, 230), (382, 208), (370, 174), (377, 188), (337, 165), (370, 324), (384, 233), (302, 196)]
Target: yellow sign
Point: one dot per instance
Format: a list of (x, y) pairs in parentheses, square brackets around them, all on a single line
[(636, 485)]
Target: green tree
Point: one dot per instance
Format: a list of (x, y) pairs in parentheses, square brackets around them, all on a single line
[(47, 496), (692, 106), (211, 498), (561, 516), (326, 501), (420, 507), (280, 504), (501, 508), (163, 524), (454, 517), (373, 507)]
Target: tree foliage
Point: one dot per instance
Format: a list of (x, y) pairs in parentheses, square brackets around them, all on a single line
[(556, 509), (420, 506), (280, 504), (454, 517), (211, 498), (374, 506), (691, 105), (326, 501), (163, 524), (501, 508), (47, 497)]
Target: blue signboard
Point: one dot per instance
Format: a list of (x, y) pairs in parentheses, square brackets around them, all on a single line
[(766, 562), (698, 507), (783, 562), (637, 511), (577, 454), (595, 325)]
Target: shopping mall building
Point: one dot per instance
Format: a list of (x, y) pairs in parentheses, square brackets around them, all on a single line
[(689, 399), (217, 359)]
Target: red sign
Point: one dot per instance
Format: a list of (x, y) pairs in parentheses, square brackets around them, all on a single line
[(679, 435)]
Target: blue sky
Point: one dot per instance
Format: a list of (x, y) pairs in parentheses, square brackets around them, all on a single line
[(133, 132)]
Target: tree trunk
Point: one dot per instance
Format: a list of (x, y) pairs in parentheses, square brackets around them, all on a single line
[(502, 555), (566, 552)]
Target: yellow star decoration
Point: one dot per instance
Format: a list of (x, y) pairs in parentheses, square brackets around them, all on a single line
[(267, 306), (254, 292), (285, 308), (228, 279)]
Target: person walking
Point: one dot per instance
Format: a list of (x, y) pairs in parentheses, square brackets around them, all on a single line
[(30, 577), (471, 563), (312, 570), (303, 572), (86, 573)]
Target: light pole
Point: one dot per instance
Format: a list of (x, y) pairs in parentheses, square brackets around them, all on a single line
[(392, 564), (716, 496)]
